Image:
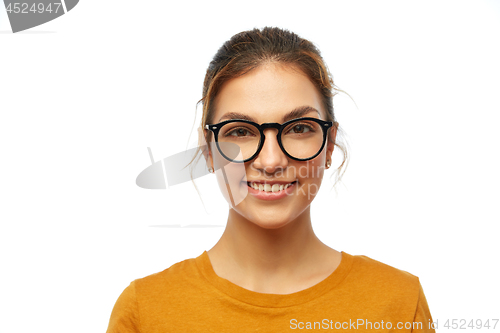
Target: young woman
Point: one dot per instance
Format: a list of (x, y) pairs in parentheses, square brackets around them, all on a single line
[(269, 94)]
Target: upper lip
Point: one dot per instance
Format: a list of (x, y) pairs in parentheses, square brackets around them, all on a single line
[(270, 182)]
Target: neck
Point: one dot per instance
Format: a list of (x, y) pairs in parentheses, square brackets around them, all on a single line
[(262, 259)]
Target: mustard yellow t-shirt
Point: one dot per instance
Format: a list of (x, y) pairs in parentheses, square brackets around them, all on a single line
[(362, 294)]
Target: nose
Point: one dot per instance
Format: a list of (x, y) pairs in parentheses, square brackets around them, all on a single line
[(271, 158)]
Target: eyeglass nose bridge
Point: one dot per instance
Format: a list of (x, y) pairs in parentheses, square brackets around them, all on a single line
[(264, 126), (270, 125)]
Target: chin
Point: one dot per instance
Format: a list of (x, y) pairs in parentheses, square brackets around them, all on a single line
[(270, 225), (275, 219)]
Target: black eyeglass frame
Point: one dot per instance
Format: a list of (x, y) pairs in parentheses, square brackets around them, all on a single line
[(215, 128)]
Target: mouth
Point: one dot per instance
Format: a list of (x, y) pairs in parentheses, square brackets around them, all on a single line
[(270, 187)]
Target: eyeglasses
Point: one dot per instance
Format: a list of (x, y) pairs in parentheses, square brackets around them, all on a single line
[(301, 139)]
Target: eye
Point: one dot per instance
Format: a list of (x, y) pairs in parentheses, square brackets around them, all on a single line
[(300, 129), (239, 132)]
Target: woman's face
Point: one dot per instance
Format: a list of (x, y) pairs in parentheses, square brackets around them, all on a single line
[(268, 94)]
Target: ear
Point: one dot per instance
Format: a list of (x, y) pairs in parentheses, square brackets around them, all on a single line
[(205, 148), (330, 140)]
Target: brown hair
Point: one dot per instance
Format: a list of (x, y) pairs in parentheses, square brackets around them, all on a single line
[(250, 49)]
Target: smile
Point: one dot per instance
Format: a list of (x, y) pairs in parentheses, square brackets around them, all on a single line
[(270, 191), (269, 187)]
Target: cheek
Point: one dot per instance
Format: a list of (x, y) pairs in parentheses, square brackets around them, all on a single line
[(312, 183), (231, 179), (313, 170)]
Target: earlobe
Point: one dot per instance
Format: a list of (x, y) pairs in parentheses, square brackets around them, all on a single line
[(207, 154), (210, 163)]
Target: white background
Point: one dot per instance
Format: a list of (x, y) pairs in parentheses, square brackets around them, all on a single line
[(83, 96)]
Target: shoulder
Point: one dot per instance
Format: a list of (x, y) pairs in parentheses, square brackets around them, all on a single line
[(181, 281), (145, 296), (382, 280), (175, 277), (380, 271)]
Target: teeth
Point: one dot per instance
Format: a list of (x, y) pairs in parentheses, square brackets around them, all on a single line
[(269, 188)]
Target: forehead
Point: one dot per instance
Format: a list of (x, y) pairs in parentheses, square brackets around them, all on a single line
[(267, 94)]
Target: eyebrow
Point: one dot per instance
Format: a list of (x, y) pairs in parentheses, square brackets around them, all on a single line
[(295, 113)]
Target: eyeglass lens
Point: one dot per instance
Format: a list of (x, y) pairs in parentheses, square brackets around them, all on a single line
[(301, 139)]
